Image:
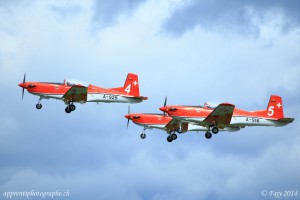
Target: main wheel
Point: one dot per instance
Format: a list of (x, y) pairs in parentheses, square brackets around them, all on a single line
[(38, 106), (68, 110), (72, 107), (208, 135), (180, 130), (143, 135), (174, 136), (215, 130), (169, 139)]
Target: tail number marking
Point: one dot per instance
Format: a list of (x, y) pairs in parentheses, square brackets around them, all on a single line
[(271, 111), (252, 119), (128, 88), (111, 97)]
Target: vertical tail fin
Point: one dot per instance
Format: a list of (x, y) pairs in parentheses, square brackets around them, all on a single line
[(131, 85), (275, 107)]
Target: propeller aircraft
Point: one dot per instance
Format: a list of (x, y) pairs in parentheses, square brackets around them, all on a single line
[(226, 117), (72, 91), (172, 125)]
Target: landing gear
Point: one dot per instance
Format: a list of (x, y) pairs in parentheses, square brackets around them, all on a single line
[(143, 135), (38, 106), (71, 107), (208, 135), (215, 130), (174, 136), (171, 137), (68, 109), (180, 130)]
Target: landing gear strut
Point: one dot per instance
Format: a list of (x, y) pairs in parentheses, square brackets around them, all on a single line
[(143, 134), (39, 105)]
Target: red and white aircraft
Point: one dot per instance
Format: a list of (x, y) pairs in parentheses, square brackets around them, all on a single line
[(71, 91), (173, 125), (226, 117), (163, 122)]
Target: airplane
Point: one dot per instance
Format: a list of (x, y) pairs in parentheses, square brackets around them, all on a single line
[(160, 121), (73, 91), (168, 124), (230, 118)]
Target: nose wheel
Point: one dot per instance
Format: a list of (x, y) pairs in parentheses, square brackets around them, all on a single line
[(38, 106), (143, 135)]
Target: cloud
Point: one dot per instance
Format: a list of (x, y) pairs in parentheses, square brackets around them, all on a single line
[(106, 13), (241, 16), (92, 153)]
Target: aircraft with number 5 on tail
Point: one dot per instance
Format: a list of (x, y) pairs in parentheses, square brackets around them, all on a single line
[(72, 91), (164, 122), (227, 116)]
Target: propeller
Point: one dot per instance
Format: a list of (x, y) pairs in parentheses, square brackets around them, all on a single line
[(23, 87), (165, 103), (128, 117)]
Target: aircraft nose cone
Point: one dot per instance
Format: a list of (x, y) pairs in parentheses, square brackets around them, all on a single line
[(164, 109), (127, 116), (22, 85)]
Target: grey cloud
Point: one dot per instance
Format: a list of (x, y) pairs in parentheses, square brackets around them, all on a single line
[(231, 14), (107, 12)]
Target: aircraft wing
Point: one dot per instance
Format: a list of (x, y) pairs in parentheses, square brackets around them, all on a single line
[(76, 94), (220, 116), (174, 125)]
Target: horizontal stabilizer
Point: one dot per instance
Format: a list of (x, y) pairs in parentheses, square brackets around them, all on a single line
[(286, 120)]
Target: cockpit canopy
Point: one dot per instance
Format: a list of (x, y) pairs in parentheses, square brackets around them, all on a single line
[(72, 82), (211, 105)]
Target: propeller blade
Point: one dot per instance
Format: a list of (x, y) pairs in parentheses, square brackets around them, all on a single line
[(128, 114), (24, 79), (165, 103), (23, 93)]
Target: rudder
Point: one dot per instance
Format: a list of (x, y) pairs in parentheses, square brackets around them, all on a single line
[(275, 107), (131, 85)]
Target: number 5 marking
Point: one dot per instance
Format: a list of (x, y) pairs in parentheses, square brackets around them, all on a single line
[(127, 89), (271, 111)]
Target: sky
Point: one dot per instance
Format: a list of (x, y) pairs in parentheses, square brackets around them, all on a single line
[(191, 51)]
